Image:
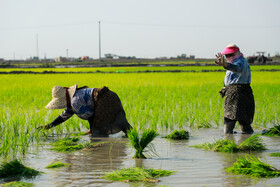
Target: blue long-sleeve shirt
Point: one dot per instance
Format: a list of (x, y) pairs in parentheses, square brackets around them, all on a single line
[(81, 104), (238, 72)]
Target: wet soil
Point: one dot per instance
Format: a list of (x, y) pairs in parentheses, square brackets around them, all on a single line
[(195, 167)]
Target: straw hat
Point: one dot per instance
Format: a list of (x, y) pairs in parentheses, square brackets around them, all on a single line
[(59, 100)]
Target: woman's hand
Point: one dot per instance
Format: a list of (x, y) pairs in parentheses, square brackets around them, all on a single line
[(221, 60)]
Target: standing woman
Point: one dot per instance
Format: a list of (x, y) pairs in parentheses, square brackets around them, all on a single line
[(239, 99)]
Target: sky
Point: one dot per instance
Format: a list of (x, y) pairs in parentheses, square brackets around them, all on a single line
[(144, 29)]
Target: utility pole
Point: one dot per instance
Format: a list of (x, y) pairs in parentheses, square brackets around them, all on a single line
[(67, 53), (99, 41), (37, 46)]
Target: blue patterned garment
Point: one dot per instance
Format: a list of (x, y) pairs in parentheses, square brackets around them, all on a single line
[(238, 72), (81, 104)]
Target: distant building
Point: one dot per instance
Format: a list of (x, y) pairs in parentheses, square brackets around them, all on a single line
[(2, 60), (60, 59), (85, 58)]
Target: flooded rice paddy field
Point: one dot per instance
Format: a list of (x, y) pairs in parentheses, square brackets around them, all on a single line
[(195, 167)]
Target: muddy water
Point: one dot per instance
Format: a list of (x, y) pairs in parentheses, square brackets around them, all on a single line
[(195, 167)]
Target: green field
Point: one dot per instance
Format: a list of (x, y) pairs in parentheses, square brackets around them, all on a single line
[(137, 69), (163, 100)]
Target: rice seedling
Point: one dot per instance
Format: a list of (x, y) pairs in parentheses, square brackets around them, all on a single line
[(15, 168), (137, 174), (178, 135), (254, 143), (275, 154), (221, 145), (57, 164), (253, 166), (67, 144), (273, 131), (17, 184), (143, 143)]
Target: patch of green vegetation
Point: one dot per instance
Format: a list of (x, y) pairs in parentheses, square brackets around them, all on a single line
[(275, 154), (219, 146), (254, 143), (57, 165), (17, 184), (67, 144), (70, 144), (273, 131), (137, 174), (139, 144), (253, 166), (178, 135), (15, 168)]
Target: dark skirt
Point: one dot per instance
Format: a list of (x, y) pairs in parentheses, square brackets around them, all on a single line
[(239, 103), (109, 116)]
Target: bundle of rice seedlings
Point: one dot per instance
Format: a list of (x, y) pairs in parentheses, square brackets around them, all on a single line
[(275, 154), (17, 184), (254, 143), (15, 168), (57, 164), (221, 145), (253, 166), (273, 131), (140, 144), (178, 135), (137, 174)]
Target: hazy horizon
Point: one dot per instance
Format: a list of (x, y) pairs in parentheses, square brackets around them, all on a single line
[(144, 29)]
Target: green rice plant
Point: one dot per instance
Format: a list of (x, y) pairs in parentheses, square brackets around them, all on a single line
[(57, 164), (221, 145), (275, 154), (15, 168), (178, 135), (254, 143), (140, 144), (273, 131), (137, 174), (253, 166), (17, 184)]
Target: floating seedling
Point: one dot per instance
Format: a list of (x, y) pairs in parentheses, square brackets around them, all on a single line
[(57, 164), (17, 184), (69, 144), (137, 174), (142, 144), (253, 166), (273, 131), (253, 143), (16, 169), (275, 154), (221, 145), (178, 135)]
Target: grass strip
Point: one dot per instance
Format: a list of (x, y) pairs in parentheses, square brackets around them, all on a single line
[(253, 166), (178, 135), (57, 165), (254, 143), (140, 144), (137, 174), (17, 184), (15, 168), (273, 131), (275, 154)]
